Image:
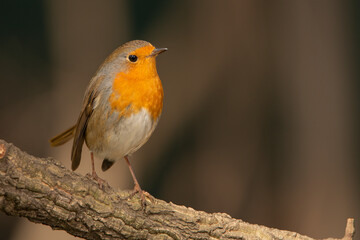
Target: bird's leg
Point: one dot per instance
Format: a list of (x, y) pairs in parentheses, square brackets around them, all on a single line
[(137, 187), (100, 181)]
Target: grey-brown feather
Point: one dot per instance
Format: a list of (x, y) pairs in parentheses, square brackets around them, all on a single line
[(63, 137), (106, 164), (79, 136)]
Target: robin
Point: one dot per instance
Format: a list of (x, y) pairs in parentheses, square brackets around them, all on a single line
[(121, 108)]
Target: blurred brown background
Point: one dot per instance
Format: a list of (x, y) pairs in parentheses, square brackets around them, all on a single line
[(261, 108)]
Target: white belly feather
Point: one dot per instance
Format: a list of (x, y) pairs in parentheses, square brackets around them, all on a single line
[(126, 136)]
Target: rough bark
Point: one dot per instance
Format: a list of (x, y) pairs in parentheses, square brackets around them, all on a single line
[(44, 191)]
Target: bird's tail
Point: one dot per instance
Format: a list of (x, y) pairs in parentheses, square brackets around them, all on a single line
[(63, 137)]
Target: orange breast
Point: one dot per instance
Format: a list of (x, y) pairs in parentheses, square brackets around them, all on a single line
[(138, 87)]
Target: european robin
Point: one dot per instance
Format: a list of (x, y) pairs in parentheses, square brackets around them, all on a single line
[(121, 108)]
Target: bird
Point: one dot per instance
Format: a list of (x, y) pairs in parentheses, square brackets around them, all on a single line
[(121, 108)]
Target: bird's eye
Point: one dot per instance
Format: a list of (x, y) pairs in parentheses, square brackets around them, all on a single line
[(133, 58)]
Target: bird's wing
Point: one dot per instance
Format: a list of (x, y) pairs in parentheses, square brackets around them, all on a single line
[(81, 125)]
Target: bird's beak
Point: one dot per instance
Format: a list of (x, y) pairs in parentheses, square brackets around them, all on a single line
[(157, 51)]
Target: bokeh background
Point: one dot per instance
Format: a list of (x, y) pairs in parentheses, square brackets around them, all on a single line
[(261, 111)]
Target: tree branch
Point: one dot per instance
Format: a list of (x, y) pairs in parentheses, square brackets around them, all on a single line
[(44, 191)]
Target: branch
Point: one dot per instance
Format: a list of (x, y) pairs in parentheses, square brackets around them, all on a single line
[(44, 191)]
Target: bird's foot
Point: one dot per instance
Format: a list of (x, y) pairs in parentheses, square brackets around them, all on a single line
[(143, 194), (102, 183)]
